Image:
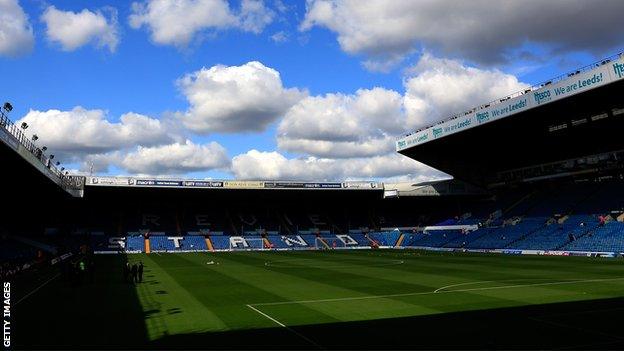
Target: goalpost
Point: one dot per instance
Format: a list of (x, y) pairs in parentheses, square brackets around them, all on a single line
[(331, 243), (247, 244)]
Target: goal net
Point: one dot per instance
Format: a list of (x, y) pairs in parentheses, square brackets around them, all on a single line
[(247, 244), (329, 243)]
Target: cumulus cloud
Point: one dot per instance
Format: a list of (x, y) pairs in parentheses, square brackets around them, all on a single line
[(339, 125), (353, 135), (366, 123), (272, 165), (179, 22), (175, 158), (235, 98), (16, 33), (78, 132), (72, 30), (437, 88), (385, 30), (136, 144)]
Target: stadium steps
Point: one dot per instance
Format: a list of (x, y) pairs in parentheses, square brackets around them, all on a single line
[(147, 246), (371, 241), (209, 243), (324, 243), (178, 224), (400, 241), (285, 224), (231, 223)]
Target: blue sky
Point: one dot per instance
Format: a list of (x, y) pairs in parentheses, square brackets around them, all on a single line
[(335, 83)]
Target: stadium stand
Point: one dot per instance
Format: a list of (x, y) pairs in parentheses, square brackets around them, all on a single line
[(553, 193)]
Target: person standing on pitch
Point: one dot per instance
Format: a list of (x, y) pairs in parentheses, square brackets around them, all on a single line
[(140, 271), (134, 277), (126, 272)]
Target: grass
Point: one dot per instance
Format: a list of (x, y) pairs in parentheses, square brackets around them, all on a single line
[(317, 299)]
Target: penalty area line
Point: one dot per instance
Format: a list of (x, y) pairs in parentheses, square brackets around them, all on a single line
[(285, 326)]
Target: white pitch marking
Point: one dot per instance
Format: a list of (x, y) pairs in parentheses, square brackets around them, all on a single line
[(267, 316), (285, 326), (433, 292), (36, 289), (494, 281), (462, 284)]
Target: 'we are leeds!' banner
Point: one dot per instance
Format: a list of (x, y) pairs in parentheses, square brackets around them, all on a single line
[(605, 74)]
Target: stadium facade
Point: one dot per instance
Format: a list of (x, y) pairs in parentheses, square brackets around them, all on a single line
[(539, 172)]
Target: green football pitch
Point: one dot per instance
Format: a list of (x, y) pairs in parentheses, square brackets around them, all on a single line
[(330, 299)]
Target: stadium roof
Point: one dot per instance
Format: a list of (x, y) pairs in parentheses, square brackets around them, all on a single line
[(579, 115)]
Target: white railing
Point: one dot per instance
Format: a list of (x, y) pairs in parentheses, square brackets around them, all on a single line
[(65, 180)]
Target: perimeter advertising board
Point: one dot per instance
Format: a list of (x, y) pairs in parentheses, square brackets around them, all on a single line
[(228, 184)]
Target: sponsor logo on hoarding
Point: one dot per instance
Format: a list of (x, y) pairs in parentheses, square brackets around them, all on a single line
[(618, 68), (203, 184), (543, 96), (111, 181), (401, 144), (459, 125), (578, 85), (241, 184), (437, 132), (483, 116), (359, 185), (499, 112), (159, 182), (556, 253), (295, 185)]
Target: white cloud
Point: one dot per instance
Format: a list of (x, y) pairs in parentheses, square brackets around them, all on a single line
[(279, 37), (366, 123), (75, 29), (235, 98), (438, 88), (79, 132), (272, 165), (178, 22), (254, 16), (338, 125), (177, 158), (16, 33), (385, 30)]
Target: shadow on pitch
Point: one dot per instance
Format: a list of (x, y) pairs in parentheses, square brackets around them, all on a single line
[(104, 314), (573, 325)]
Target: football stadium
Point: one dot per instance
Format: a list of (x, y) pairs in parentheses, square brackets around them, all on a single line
[(521, 249)]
